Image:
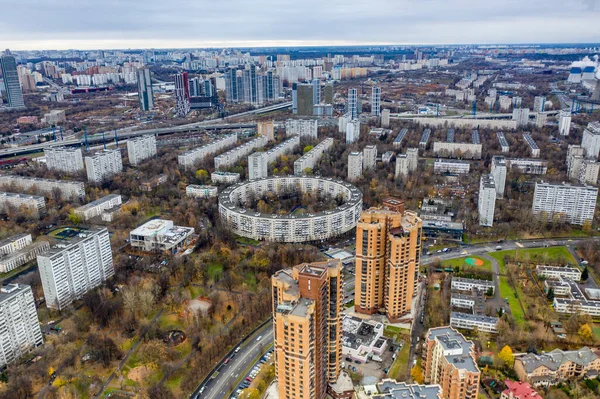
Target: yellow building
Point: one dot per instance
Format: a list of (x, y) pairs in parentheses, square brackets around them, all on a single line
[(307, 302), (388, 256)]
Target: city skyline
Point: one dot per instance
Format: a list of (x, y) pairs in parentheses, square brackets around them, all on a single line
[(248, 25)]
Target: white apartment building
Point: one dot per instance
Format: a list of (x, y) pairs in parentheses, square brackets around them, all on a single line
[(588, 172), (224, 177), (504, 147), (576, 306), (189, 158), (68, 189), (15, 243), (103, 165), (564, 122), (233, 156), (98, 207), (539, 103), (468, 321), (18, 201), (75, 266), (540, 119), (385, 118), (309, 160), (352, 131), (521, 116), (18, 258), (459, 150), (196, 191), (387, 157), (557, 272), (529, 166), (462, 301), (302, 127), (413, 158), (282, 148), (533, 147), (355, 165), (591, 140), (258, 167), (402, 168), (487, 200), (20, 324), (559, 286), (573, 203), (141, 148), (64, 159), (369, 157), (452, 166), (468, 284), (575, 157), (499, 173), (160, 235)]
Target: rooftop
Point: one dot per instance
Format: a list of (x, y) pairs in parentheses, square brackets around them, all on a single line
[(357, 332), (520, 390), (459, 351), (391, 389), (553, 360), (10, 290), (99, 201)]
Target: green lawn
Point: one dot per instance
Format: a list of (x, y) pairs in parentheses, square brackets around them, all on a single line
[(390, 331), (214, 271), (541, 255), (506, 291), (596, 330), (400, 368), (487, 264)]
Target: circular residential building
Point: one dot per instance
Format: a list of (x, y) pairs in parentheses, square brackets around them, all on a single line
[(234, 200)]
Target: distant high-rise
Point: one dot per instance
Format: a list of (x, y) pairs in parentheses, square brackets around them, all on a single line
[(521, 115), (352, 105), (64, 159), (305, 99), (182, 94), (355, 165), (231, 86), (388, 257), (307, 328), (539, 103), (369, 157), (499, 174), (141, 148), (591, 140), (257, 165), (316, 91), (385, 118), (487, 200), (564, 122), (376, 101), (12, 86), (145, 94), (103, 165)]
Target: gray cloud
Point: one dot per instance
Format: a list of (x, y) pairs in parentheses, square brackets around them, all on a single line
[(182, 23)]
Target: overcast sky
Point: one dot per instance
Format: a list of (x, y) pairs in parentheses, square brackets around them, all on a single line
[(90, 24)]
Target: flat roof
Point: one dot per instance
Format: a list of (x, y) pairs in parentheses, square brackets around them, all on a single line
[(452, 340)]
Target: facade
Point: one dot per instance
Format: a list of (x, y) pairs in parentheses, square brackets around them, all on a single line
[(352, 105), (14, 243), (258, 166), (452, 166), (68, 189), (160, 235), (266, 129), (290, 228), (413, 158), (20, 324), (302, 127), (103, 165), (282, 148), (459, 150), (564, 122), (450, 363), (391, 389), (388, 257), (310, 159), (75, 266), (307, 325), (591, 140), (189, 158), (385, 118), (573, 203), (182, 94), (467, 321), (141, 148), (588, 172), (499, 174), (553, 272), (552, 367), (575, 157), (369, 157), (64, 159), (145, 94), (376, 101), (224, 177), (468, 284), (355, 165), (98, 207), (352, 131), (402, 168), (387, 157), (12, 86), (196, 191), (487, 200), (12, 260), (528, 166), (34, 203), (521, 116), (231, 157), (539, 103)]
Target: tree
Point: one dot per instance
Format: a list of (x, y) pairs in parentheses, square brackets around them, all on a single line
[(201, 175), (585, 275), (506, 354), (585, 333), (75, 218), (417, 374), (550, 294), (307, 149)]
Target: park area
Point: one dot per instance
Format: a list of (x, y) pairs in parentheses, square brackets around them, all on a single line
[(478, 262)]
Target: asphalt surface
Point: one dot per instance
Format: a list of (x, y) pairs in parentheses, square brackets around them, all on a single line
[(225, 376)]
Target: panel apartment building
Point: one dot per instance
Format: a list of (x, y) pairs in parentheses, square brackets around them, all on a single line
[(64, 159), (189, 158), (141, 148), (17, 201), (103, 165), (388, 257), (68, 189), (75, 266), (19, 324), (573, 203), (310, 159), (307, 328)]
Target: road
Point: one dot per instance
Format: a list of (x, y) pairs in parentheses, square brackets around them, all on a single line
[(228, 374)]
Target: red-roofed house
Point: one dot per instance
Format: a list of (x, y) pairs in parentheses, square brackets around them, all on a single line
[(519, 390)]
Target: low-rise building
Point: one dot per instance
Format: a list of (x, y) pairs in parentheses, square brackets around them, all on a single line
[(533, 147), (519, 390), (67, 189), (433, 229), (528, 166), (554, 272), (154, 182), (504, 147), (458, 150), (468, 284), (97, 208), (160, 235), (224, 177), (400, 137), (12, 260), (550, 368), (558, 286), (310, 159), (452, 166), (387, 157), (468, 321), (33, 203), (196, 191), (15, 243), (391, 389), (54, 117), (361, 339)]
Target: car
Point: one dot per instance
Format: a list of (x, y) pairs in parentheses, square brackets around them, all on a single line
[(248, 379), (236, 350), (259, 338), (227, 360)]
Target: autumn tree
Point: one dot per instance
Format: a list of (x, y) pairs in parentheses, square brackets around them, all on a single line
[(585, 333), (417, 374), (506, 355)]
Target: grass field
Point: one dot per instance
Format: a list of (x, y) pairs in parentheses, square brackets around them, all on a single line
[(487, 264), (542, 255), (507, 292), (400, 368), (214, 271)]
